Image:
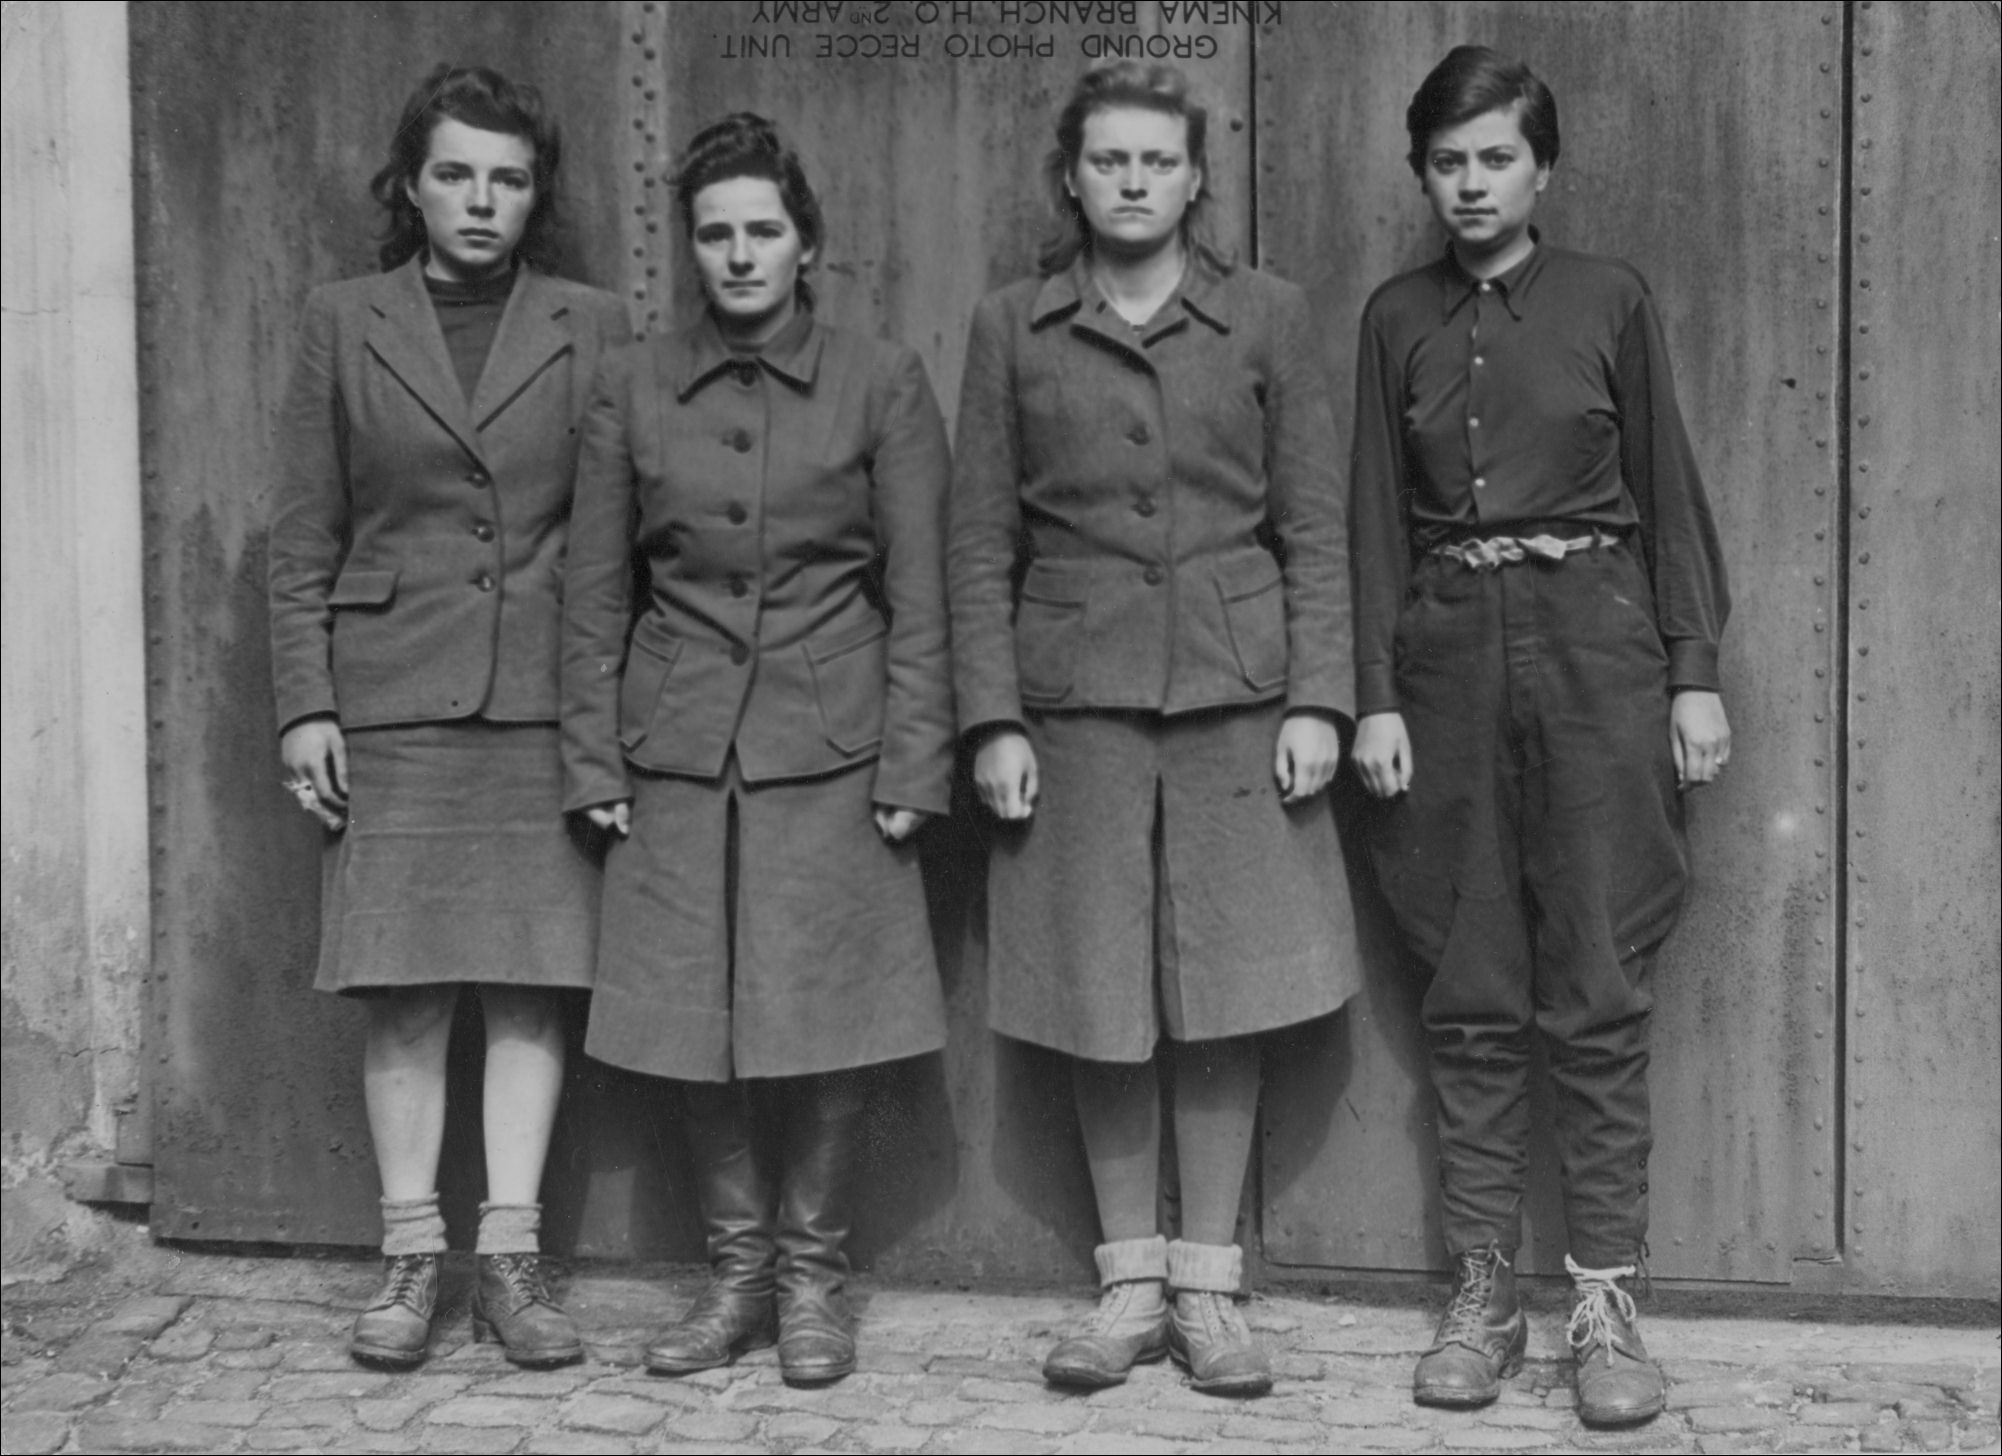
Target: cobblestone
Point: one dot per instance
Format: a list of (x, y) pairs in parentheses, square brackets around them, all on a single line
[(35, 1433)]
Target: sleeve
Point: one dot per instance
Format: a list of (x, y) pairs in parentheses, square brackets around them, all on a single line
[(908, 480), (1380, 553), (1309, 510), (985, 526), (310, 525), (597, 595), (1678, 535)]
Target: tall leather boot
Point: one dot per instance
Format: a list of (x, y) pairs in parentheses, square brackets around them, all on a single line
[(816, 1329), (734, 1187), (1481, 1336)]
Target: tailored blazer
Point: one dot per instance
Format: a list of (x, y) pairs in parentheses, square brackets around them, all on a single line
[(1147, 518), (417, 545), (789, 511)]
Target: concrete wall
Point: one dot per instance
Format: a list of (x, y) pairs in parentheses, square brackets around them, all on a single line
[(74, 953)]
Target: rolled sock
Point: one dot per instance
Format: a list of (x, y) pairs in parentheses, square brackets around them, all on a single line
[(413, 1226), (510, 1228)]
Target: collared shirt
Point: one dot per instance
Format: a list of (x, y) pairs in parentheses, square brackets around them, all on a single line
[(1541, 400), (1146, 518)]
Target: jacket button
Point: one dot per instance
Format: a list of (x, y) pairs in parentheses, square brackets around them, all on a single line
[(738, 440), (1154, 576), (737, 514), (740, 654), (738, 586), (1144, 506), (746, 372), (478, 479), (1138, 435), (483, 532), (484, 582)]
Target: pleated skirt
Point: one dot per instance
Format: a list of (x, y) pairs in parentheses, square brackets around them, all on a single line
[(458, 863)]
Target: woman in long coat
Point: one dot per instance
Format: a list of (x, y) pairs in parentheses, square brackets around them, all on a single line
[(428, 444), (771, 727), (1146, 447)]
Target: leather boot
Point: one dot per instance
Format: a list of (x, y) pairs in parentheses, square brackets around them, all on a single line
[(1618, 1383), (1481, 1336), (1130, 1326), (1206, 1334), (816, 1328), (396, 1327), (511, 1305), (734, 1187)]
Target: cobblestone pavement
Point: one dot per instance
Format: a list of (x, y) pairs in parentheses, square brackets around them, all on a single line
[(213, 1353)]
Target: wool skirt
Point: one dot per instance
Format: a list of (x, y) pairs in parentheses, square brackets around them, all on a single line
[(1162, 885), (762, 930), (457, 863)]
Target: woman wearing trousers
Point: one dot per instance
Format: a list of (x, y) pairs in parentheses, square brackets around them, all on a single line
[(1151, 649), (1539, 594)]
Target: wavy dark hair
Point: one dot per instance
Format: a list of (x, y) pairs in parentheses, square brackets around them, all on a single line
[(1472, 81), (477, 97), (744, 144), (1105, 87)]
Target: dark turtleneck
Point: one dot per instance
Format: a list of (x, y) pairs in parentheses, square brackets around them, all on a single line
[(469, 313)]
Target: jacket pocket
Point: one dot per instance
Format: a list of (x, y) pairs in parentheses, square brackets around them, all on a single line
[(1254, 613), (848, 683), (647, 670), (1049, 624), (363, 589)]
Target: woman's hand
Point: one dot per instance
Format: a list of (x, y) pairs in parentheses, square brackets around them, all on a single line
[(897, 825), (1383, 754), (1699, 735), (1004, 771), (1306, 757), (316, 751), (614, 818)]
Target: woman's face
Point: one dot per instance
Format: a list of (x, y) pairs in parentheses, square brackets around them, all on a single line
[(1483, 180), (749, 254), (476, 190), (1133, 179)]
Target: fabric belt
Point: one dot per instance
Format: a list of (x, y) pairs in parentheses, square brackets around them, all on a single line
[(1495, 552)]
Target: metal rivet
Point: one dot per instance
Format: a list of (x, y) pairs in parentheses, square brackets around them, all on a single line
[(1864, 511), (1863, 373), (1863, 328), (1866, 283), (1864, 190), (1863, 559), (1864, 237), (1824, 161), (1863, 467), (1863, 420)]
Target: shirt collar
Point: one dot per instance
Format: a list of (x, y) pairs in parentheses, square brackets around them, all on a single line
[(1457, 285), (1200, 294), (792, 354)]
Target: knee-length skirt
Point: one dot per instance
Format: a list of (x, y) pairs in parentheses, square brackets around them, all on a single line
[(457, 863), (762, 930), (1161, 884)]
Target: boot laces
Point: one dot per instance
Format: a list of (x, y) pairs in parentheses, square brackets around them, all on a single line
[(403, 1281), (1467, 1314), (522, 1273), (1115, 1306), (1601, 1301)]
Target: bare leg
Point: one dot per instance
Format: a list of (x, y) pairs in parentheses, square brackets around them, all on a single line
[(1216, 1105), (524, 1080), (1119, 1112), (403, 1084)]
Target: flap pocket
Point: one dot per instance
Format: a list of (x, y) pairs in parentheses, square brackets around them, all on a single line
[(1052, 586), (849, 680), (648, 666), (1049, 625), (1254, 613), (363, 589)]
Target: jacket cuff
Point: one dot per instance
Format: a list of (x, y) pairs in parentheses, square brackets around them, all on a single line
[(1376, 689), (589, 791), (294, 711), (1692, 665), (927, 791)]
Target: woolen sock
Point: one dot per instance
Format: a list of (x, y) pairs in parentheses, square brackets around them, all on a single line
[(510, 1228), (412, 1226)]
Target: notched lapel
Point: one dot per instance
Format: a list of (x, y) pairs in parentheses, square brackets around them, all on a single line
[(534, 332), (404, 334)]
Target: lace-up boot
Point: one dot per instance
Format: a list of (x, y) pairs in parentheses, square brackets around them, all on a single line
[(511, 1304), (738, 1200), (1206, 1334), (1481, 1336), (396, 1326), (1130, 1326), (1618, 1382)]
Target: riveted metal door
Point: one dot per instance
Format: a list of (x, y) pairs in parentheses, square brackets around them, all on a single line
[(1704, 145)]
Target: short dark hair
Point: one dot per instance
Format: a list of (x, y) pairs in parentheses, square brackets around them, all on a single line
[(1107, 87), (744, 144), (1472, 81), (477, 97)]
